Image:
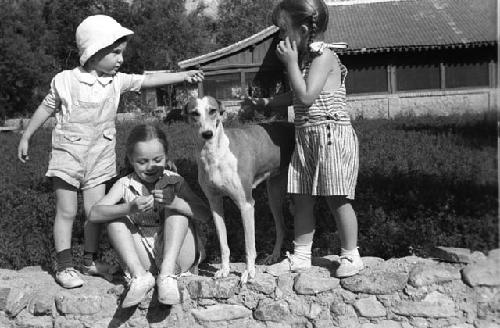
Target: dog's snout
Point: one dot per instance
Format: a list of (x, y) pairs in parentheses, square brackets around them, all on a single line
[(207, 134)]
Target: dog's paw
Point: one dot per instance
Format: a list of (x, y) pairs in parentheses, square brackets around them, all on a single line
[(271, 259), (222, 273), (247, 275)]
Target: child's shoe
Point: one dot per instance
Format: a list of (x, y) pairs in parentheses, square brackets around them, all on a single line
[(99, 269), (138, 289), (349, 266), (69, 278), (168, 292), (290, 264)]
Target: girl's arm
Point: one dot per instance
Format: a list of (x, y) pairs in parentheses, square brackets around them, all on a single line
[(39, 117), (161, 78), (279, 103), (319, 71), (108, 209), (187, 203)]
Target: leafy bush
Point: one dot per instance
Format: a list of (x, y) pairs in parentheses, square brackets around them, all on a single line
[(423, 182)]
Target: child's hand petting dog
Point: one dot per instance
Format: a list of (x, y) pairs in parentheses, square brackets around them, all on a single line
[(250, 105), (193, 76)]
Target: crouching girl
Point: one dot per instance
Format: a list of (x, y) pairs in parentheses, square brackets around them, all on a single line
[(149, 214)]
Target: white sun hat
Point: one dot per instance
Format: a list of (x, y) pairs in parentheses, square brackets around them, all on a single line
[(97, 32)]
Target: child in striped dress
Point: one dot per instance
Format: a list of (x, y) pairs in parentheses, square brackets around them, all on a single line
[(325, 160)]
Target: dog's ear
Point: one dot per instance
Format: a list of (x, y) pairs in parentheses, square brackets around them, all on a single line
[(221, 106)]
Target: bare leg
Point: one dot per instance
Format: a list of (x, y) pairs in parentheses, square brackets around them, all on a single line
[(347, 224), (126, 246), (66, 208), (276, 190), (176, 228), (305, 225), (179, 249), (304, 220), (92, 230), (346, 221)]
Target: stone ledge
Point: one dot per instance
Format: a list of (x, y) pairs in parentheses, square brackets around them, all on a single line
[(404, 293)]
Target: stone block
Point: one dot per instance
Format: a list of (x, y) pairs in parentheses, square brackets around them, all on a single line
[(382, 324), (42, 304), (486, 324), (18, 299), (4, 295), (370, 307), (482, 273), (221, 312), (63, 322), (434, 305), (377, 282), (310, 285), (494, 254), (69, 303), (213, 288), (264, 284), (428, 274), (26, 320), (269, 310)]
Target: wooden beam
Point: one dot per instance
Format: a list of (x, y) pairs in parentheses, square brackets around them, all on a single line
[(442, 75)]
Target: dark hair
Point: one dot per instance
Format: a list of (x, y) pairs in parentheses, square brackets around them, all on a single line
[(313, 13), (104, 51), (141, 133)]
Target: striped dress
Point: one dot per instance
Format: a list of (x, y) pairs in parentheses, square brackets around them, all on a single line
[(325, 160)]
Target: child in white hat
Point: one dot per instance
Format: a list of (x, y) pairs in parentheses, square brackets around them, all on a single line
[(85, 100)]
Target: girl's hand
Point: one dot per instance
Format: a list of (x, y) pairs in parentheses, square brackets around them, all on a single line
[(22, 150), (194, 76), (287, 52), (142, 204), (164, 196)]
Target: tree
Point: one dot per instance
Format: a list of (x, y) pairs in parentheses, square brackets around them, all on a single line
[(25, 61), (164, 35), (239, 19)]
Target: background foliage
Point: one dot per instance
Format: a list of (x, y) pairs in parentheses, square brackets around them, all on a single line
[(423, 182), (37, 39)]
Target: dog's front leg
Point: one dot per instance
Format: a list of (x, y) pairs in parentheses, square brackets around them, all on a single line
[(248, 216), (218, 214)]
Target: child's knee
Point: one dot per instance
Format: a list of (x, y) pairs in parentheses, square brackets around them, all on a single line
[(66, 214), (118, 225)]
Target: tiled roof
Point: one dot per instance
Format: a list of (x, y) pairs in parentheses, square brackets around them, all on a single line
[(409, 23), (373, 26)]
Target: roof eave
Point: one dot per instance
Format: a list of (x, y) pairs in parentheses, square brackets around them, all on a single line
[(406, 48), (235, 47)]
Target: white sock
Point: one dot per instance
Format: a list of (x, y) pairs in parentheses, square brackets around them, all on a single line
[(352, 252), (302, 252)]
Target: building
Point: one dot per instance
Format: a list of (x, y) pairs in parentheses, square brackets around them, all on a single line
[(405, 57)]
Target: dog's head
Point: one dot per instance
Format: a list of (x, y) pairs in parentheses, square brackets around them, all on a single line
[(206, 114)]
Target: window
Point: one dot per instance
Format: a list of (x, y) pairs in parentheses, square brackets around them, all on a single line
[(418, 77), (223, 86), (367, 79), (459, 75)]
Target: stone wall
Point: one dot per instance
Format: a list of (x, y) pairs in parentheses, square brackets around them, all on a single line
[(423, 103), (460, 289)]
